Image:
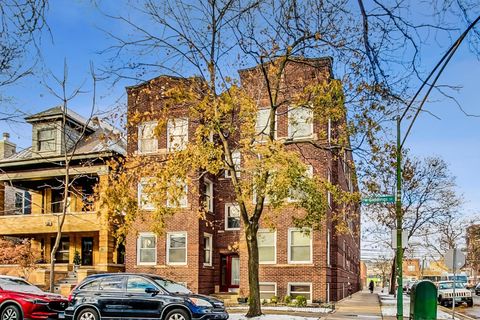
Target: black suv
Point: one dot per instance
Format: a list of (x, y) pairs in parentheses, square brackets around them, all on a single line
[(139, 296)]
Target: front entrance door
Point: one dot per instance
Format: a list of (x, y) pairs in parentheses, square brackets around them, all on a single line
[(87, 251), (229, 273)]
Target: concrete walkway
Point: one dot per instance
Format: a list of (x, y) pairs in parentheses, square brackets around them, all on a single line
[(362, 305)]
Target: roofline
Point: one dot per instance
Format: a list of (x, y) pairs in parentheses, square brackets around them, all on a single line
[(20, 162), (329, 59), (35, 118), (143, 83)]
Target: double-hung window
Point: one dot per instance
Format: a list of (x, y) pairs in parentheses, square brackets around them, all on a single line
[(147, 141), (268, 290), (262, 126), (23, 202), (207, 247), (295, 194), (177, 134), (147, 249), (177, 248), (144, 201), (236, 158), (303, 289), (178, 200), (267, 246), (300, 123), (208, 195), (46, 140), (300, 246), (232, 216)]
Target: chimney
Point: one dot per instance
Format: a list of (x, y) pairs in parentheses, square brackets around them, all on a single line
[(7, 148)]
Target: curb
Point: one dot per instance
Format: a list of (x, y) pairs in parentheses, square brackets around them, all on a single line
[(457, 314)]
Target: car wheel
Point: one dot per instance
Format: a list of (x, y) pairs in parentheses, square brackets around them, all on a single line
[(87, 314), (177, 314), (470, 303), (11, 312)]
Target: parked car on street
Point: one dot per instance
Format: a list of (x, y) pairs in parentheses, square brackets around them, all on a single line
[(132, 296), (477, 289), (22, 300), (446, 296)]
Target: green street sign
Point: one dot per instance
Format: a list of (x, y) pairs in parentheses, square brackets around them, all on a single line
[(379, 199)]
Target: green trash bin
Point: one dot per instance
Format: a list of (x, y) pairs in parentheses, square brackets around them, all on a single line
[(423, 301)]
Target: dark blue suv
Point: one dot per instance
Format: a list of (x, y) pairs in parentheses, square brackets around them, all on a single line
[(139, 296)]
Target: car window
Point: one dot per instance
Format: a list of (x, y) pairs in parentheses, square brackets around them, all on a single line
[(18, 285), (92, 285), (172, 287), (114, 283), (139, 284)]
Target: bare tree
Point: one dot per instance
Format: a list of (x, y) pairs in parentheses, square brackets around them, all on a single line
[(70, 144), (429, 198)]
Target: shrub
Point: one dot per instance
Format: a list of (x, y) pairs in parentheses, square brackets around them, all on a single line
[(287, 299), (274, 299), (301, 301)]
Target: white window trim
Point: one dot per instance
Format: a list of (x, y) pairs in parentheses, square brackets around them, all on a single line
[(169, 234), (329, 130), (237, 166), (141, 205), (268, 284), (146, 234), (329, 194), (290, 133), (139, 145), (170, 148), (210, 199), (226, 216), (289, 293), (274, 247), (289, 248), (208, 264), (310, 174), (257, 134), (329, 238), (171, 205)]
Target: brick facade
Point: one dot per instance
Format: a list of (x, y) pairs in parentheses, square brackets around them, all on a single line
[(344, 264)]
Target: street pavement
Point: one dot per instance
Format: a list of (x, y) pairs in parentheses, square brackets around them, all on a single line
[(473, 312)]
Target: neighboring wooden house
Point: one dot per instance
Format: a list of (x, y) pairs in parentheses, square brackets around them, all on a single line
[(31, 192)]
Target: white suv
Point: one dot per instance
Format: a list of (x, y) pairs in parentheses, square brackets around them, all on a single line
[(445, 294)]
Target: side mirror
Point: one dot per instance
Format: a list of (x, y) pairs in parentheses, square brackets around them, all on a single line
[(151, 291)]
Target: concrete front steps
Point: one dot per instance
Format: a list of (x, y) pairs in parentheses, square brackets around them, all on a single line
[(229, 298), (65, 285)]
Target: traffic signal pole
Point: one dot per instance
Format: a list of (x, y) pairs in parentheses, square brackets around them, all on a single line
[(399, 216)]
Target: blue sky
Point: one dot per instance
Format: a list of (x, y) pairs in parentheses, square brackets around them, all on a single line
[(77, 38)]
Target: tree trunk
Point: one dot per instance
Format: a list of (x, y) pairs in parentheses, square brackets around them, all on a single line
[(254, 309), (393, 276)]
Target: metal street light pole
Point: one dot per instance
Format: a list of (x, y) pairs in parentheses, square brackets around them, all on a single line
[(398, 212)]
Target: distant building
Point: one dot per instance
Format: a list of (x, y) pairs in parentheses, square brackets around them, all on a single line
[(412, 269), (32, 193)]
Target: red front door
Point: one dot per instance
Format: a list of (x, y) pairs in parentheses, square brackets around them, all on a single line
[(229, 272)]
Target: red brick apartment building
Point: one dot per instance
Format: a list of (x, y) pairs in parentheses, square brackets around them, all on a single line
[(208, 255)]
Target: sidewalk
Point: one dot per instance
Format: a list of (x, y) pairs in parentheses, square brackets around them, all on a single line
[(362, 305)]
